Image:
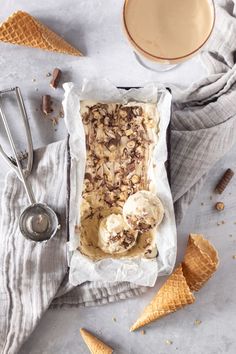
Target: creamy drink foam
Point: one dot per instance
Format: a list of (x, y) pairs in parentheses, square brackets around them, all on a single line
[(168, 28)]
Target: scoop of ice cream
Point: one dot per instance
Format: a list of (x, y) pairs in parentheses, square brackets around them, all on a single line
[(114, 235), (143, 211)]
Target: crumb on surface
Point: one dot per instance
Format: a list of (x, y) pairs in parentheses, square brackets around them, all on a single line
[(114, 319), (54, 121), (49, 74), (168, 341), (197, 322), (219, 206), (222, 222), (218, 224), (234, 256), (202, 203), (33, 80), (143, 332)]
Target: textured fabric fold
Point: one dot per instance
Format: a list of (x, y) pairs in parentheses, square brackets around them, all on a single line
[(203, 125), (31, 273)]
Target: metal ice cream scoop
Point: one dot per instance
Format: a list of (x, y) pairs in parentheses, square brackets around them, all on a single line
[(38, 222)]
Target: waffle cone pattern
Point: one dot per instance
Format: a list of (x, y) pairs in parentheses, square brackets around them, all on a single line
[(172, 296), (200, 261), (95, 345), (23, 29)]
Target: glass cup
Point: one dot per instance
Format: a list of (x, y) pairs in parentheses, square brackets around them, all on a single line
[(164, 33)]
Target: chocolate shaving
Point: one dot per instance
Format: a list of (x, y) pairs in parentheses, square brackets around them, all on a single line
[(47, 104), (115, 238), (130, 167), (219, 206), (56, 76)]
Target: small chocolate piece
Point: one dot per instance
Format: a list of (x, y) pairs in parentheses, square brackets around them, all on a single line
[(88, 177), (220, 206), (47, 104), (112, 144), (223, 183), (56, 76)]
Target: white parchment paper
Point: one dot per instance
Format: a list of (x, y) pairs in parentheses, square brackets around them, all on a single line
[(140, 271)]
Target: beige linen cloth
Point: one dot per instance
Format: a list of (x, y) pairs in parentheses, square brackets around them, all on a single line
[(33, 276)]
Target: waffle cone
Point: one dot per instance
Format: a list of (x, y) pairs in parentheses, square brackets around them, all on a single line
[(172, 296), (200, 261), (95, 345), (23, 29)]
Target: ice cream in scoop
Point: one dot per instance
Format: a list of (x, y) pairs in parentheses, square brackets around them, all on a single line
[(143, 211), (114, 235)]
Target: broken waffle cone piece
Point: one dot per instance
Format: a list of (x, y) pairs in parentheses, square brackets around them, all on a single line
[(95, 345), (172, 296), (200, 261), (23, 29)]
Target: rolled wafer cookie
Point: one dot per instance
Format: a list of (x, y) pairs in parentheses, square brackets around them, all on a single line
[(200, 261), (172, 296), (23, 29), (95, 345), (224, 181)]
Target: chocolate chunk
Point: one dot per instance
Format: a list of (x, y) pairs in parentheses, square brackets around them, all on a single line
[(88, 176), (223, 183), (56, 76), (112, 144), (47, 104), (108, 199)]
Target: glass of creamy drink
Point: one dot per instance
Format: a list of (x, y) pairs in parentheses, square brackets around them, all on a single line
[(164, 33)]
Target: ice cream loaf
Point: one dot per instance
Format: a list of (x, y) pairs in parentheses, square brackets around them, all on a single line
[(119, 145)]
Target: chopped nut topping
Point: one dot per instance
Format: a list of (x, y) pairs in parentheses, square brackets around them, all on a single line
[(123, 196), (219, 206), (129, 132), (135, 179), (122, 113), (168, 341), (123, 187), (131, 144)]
